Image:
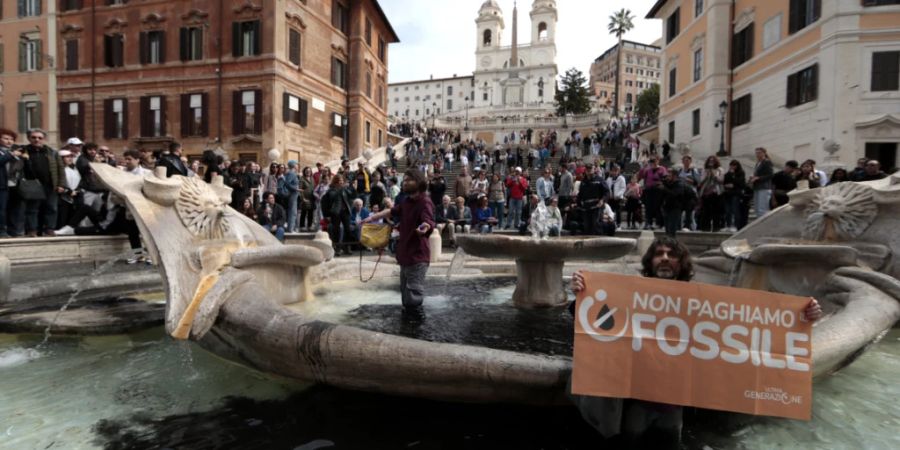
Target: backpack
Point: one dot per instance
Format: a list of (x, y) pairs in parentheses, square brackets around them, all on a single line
[(282, 189)]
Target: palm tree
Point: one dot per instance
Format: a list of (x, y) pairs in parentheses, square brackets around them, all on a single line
[(619, 24)]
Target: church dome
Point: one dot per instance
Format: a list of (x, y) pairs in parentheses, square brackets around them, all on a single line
[(490, 7)]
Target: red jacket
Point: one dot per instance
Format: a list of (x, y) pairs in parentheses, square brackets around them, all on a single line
[(517, 186)]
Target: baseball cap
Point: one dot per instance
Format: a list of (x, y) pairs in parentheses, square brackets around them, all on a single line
[(74, 141)]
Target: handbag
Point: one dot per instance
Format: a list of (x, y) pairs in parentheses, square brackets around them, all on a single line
[(31, 190), (375, 236)]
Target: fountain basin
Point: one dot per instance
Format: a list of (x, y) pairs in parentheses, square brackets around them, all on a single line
[(539, 262)]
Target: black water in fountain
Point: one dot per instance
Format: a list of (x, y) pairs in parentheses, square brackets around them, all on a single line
[(465, 315)]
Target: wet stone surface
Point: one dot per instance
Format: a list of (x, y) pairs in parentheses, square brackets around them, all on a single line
[(475, 312)]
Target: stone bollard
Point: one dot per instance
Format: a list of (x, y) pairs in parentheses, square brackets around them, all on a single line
[(645, 241), (5, 279), (434, 244)]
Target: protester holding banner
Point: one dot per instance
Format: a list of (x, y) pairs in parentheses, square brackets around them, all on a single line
[(637, 423)]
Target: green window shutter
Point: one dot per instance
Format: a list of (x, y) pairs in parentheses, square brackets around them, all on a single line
[(39, 120), (22, 62), (22, 118), (39, 57)]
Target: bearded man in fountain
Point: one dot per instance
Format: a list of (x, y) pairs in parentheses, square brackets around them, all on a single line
[(416, 213), (636, 423)]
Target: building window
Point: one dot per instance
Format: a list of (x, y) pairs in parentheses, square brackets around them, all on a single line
[(369, 84), (116, 2), (487, 38), (885, 71), (338, 73), (450, 105), (380, 138), (337, 125), (368, 131), (293, 48), (628, 98), (194, 115), (29, 115), (742, 46), (30, 57), (698, 64), (115, 118), (245, 38), (153, 47), (803, 13), (71, 120), (449, 90), (153, 116), (191, 40), (72, 54), (382, 49), (340, 17), (673, 78), (29, 8), (484, 96), (741, 110), (69, 5), (247, 112), (880, 2), (295, 110), (695, 122), (698, 8), (672, 132), (113, 50), (673, 24), (368, 32), (803, 86)]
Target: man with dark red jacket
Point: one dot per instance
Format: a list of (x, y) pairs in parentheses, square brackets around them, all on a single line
[(517, 185)]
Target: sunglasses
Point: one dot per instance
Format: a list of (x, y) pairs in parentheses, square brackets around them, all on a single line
[(36, 138)]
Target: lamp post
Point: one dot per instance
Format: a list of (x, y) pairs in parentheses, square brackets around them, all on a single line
[(345, 122), (467, 114), (723, 109), (433, 111), (565, 118)]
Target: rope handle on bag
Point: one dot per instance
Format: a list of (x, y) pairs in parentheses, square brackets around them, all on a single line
[(380, 254)]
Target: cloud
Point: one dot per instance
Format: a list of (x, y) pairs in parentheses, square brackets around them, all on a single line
[(438, 37)]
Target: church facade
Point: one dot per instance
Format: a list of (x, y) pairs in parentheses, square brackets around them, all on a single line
[(515, 77)]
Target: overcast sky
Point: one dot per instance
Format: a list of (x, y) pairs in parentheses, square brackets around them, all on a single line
[(437, 37)]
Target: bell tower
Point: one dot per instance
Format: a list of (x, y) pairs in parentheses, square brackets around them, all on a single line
[(490, 26), (543, 21)]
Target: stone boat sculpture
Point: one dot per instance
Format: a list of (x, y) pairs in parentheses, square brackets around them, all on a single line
[(228, 280)]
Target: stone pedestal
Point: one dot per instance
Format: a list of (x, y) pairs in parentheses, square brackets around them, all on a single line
[(539, 284), (434, 244)]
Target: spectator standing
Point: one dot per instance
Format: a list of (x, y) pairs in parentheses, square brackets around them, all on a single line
[(616, 185), (497, 198), (336, 206), (307, 200), (633, 202), (761, 181), (652, 175), (873, 171), (173, 163), (691, 177), (9, 157), (545, 190), (44, 165), (734, 184), (783, 182), (710, 190), (673, 191), (437, 187), (292, 191), (517, 185)]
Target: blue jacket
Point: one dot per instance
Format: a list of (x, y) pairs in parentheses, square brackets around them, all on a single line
[(5, 157), (291, 182)]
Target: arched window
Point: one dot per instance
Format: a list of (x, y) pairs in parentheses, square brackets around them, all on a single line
[(542, 31), (628, 98), (487, 38)]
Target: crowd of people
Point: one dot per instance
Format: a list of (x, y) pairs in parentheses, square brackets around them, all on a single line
[(499, 186)]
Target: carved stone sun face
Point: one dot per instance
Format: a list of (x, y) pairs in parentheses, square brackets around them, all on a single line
[(201, 211), (840, 212)]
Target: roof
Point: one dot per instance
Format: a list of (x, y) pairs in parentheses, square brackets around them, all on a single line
[(387, 23), (638, 45), (655, 9), (432, 80)]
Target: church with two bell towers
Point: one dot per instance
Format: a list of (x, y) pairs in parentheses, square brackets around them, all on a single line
[(515, 78)]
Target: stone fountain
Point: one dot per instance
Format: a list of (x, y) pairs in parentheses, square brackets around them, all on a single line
[(539, 262), (228, 280)]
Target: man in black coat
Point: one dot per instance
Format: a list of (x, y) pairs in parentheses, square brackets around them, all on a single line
[(172, 161), (591, 194), (674, 197)]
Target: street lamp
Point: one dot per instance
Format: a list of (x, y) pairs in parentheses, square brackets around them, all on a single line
[(565, 118), (467, 114), (723, 109), (345, 122), (433, 111)]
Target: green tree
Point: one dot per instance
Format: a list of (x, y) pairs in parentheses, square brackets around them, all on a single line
[(573, 96), (620, 22), (647, 105)]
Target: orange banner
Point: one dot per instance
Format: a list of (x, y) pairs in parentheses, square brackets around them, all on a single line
[(693, 344)]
